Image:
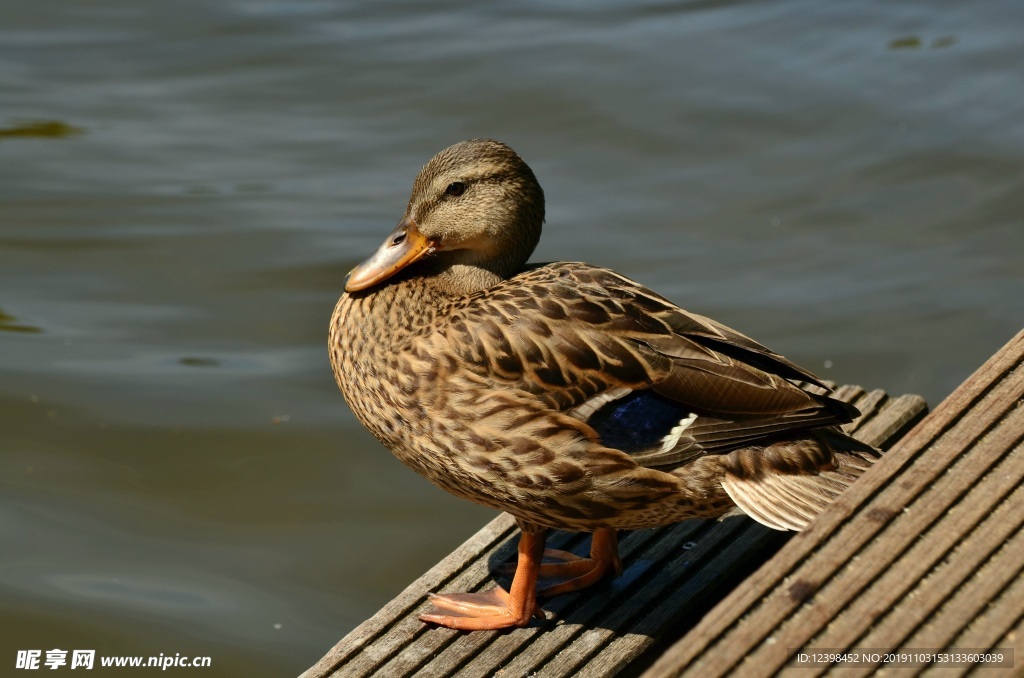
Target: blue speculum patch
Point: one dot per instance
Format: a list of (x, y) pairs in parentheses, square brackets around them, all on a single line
[(637, 421)]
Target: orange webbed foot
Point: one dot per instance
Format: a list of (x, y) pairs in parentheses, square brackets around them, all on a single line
[(492, 609), (579, 573), (497, 608)]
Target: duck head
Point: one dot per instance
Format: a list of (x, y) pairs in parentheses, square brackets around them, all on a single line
[(473, 219)]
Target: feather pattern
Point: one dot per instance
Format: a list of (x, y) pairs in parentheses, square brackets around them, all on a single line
[(566, 394)]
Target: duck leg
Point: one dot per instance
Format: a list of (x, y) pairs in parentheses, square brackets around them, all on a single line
[(497, 608), (582, 572)]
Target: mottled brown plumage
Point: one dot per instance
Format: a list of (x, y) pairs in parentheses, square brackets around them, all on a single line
[(566, 394)]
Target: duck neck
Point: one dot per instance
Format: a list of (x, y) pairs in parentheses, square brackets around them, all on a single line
[(414, 298), (462, 272), (461, 280)]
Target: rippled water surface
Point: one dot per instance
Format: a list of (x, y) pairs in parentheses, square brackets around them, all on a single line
[(184, 185)]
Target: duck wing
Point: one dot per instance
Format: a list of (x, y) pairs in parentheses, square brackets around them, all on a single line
[(647, 378)]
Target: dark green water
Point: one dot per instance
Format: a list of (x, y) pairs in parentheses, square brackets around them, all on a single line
[(183, 187)]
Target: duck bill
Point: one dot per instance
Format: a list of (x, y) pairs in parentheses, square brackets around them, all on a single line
[(404, 246)]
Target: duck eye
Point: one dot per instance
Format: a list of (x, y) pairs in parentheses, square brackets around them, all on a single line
[(455, 188)]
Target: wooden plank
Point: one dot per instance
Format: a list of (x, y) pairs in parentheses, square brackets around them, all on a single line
[(772, 576), (1001, 624), (366, 638), (672, 575), (644, 550), (888, 564), (940, 562)]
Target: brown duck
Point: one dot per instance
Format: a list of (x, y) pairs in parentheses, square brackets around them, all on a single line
[(566, 394)]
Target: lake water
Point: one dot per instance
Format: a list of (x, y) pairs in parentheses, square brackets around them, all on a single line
[(184, 185)]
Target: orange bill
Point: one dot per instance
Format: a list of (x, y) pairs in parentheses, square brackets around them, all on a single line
[(404, 246)]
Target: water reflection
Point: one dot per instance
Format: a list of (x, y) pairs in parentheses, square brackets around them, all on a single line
[(44, 129), (8, 323), (184, 186)]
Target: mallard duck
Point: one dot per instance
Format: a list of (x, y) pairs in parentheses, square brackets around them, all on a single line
[(563, 393)]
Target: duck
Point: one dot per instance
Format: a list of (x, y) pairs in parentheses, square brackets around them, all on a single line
[(566, 394)]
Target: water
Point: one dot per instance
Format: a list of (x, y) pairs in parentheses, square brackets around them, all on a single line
[(179, 474)]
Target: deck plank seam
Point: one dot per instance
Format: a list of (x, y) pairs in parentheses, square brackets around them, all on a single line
[(933, 568), (463, 559), (699, 534), (1010, 578), (870, 399), (695, 561), (737, 621), (954, 641), (991, 378), (997, 421), (907, 546), (888, 482)]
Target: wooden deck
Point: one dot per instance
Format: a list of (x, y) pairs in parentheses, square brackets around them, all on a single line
[(925, 552), (673, 577)]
